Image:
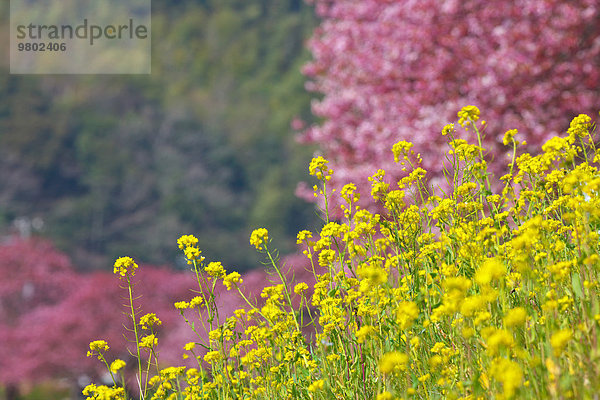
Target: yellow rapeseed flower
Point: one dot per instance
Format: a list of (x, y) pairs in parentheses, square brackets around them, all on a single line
[(300, 288), (467, 114), (316, 385), (401, 148), (103, 392), (393, 362), (406, 314), (559, 340), (580, 126), (318, 168), (125, 266), (509, 373), (150, 320), (491, 269), (97, 346), (193, 254), (259, 238), (215, 269), (116, 365), (149, 341), (232, 279), (515, 317), (187, 241), (385, 396), (182, 305), (326, 257), (212, 356), (303, 235), (509, 137), (448, 128), (472, 304), (500, 338), (363, 333), (189, 346)]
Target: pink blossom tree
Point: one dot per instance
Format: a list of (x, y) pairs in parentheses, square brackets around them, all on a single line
[(49, 313), (33, 275), (400, 70)]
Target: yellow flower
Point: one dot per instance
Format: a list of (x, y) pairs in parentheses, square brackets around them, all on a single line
[(97, 346), (509, 373), (103, 392), (509, 136), (449, 128), (364, 332), (333, 357), (407, 313), (196, 301), (318, 167), (561, 269), (372, 274), (472, 304), (349, 193), (150, 320), (215, 269), (316, 385), (326, 257), (182, 305), (232, 279), (580, 126), (559, 340), (303, 235), (148, 341), (500, 338), (415, 342), (468, 332), (385, 396), (116, 365), (491, 269), (259, 238), (171, 372), (393, 362), (189, 346), (459, 284), (192, 254), (401, 148), (515, 317), (300, 288), (435, 361), (212, 356), (125, 266), (467, 114), (437, 347), (187, 241)]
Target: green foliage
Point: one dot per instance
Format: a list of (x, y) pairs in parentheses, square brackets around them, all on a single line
[(202, 144)]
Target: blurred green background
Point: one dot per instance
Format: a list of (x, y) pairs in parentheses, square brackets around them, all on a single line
[(107, 166)]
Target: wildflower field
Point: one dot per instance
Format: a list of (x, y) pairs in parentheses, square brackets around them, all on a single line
[(482, 288)]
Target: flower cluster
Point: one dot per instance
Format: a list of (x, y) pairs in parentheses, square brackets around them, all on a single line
[(471, 295), (188, 243), (259, 238), (125, 266)]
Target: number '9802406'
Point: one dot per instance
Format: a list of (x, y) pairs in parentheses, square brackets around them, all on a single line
[(36, 46)]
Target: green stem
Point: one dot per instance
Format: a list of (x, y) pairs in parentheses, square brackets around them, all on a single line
[(135, 330)]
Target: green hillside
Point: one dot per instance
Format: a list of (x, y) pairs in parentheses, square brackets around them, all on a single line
[(126, 164)]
